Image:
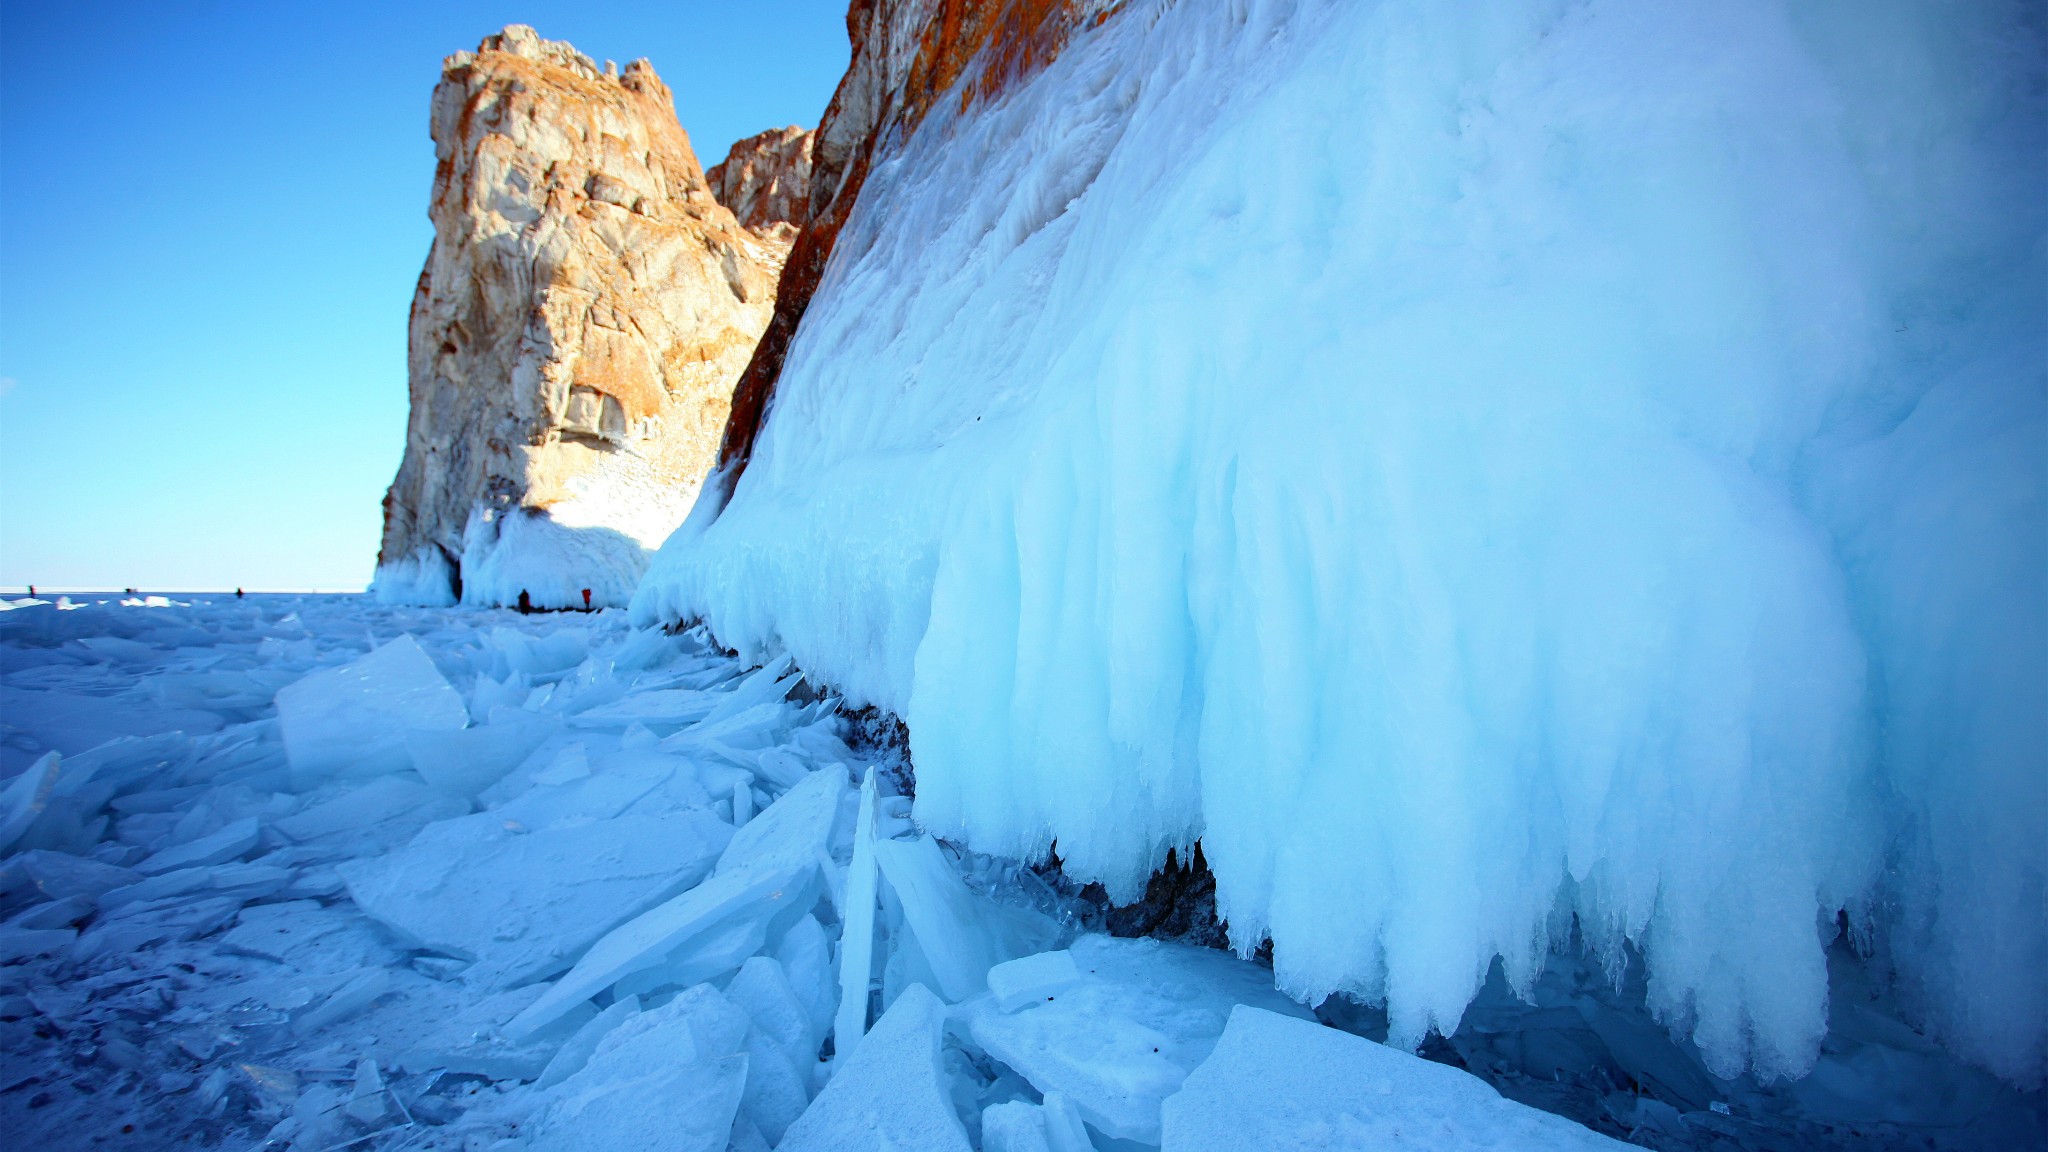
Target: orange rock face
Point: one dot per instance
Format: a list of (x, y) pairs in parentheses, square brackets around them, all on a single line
[(907, 55), (583, 315), (766, 181)]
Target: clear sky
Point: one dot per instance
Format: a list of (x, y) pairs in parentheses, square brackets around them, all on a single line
[(211, 219)]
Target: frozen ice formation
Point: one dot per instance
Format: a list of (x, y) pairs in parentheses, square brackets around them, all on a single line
[(1479, 474), (575, 335), (1283, 1084)]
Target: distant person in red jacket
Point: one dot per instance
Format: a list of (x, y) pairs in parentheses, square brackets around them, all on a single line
[(586, 599)]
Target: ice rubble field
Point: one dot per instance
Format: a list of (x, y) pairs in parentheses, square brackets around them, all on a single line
[(1471, 467), (318, 873)]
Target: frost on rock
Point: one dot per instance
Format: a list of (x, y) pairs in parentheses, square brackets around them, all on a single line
[(1475, 473), (1283, 1084)]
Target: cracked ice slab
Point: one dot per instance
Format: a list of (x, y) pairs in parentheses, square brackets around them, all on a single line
[(524, 906), (1288, 1085), (673, 932)]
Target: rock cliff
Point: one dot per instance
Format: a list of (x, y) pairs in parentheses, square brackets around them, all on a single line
[(766, 181), (575, 335), (906, 55)]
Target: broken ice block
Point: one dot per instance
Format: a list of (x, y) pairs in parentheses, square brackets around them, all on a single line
[(379, 800), (352, 720), (1063, 1130), (246, 881), (308, 936), (598, 796), (790, 831), (857, 936), (648, 1086), (368, 1105), (679, 925), (1013, 1126), (354, 995), (665, 708), (776, 1091), (465, 761), (471, 1038), (806, 959), (762, 990), (1030, 979), (230, 843), (144, 924), (57, 875), (891, 1093), (25, 797), (1281, 1083), (21, 943), (960, 933), (558, 651), (577, 1050), (766, 685), (525, 906), (1124, 1037)]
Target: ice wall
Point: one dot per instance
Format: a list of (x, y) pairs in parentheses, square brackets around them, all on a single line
[(1465, 466)]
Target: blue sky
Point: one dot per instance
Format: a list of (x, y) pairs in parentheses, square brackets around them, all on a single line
[(211, 219)]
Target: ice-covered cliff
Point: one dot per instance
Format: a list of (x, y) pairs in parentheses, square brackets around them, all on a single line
[(579, 325), (1474, 470)]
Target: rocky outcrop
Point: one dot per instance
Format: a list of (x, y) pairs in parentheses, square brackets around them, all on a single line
[(766, 181), (584, 312), (907, 55)]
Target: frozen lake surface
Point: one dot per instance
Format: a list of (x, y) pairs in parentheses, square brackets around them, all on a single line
[(317, 873)]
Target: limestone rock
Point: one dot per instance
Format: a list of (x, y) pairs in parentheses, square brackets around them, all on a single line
[(575, 336), (766, 181)]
